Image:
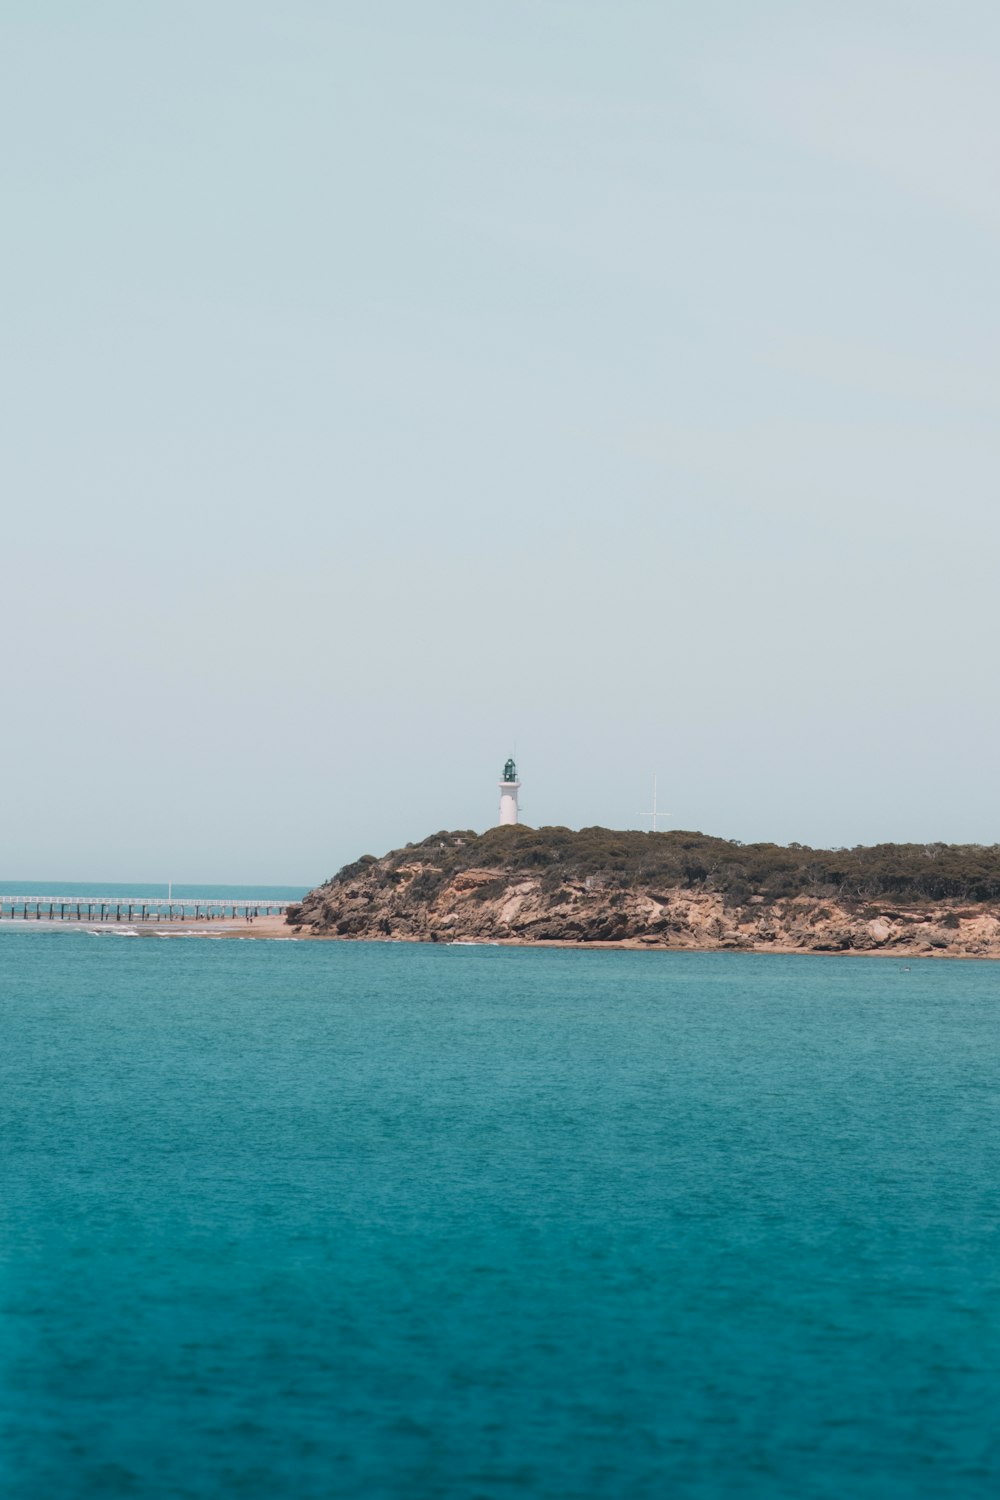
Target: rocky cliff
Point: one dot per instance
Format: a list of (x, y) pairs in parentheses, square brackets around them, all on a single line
[(682, 891)]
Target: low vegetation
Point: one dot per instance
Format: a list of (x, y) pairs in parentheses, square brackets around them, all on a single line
[(608, 858)]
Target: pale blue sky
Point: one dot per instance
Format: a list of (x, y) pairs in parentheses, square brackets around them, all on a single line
[(387, 383)]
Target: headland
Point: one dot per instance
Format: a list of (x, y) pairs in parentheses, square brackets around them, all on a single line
[(676, 890)]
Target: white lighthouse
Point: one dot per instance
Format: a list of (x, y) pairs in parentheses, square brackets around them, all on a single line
[(509, 788)]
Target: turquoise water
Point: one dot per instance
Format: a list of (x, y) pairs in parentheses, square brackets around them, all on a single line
[(297, 1220), (108, 891), (184, 897)]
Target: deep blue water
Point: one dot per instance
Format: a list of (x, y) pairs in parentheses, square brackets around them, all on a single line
[(296, 1220)]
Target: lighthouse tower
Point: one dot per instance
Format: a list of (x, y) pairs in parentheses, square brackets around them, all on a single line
[(509, 788)]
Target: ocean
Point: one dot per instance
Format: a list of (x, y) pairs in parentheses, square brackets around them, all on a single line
[(185, 898), (294, 1220)]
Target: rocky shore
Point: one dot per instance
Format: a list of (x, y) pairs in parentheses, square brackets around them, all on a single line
[(445, 890)]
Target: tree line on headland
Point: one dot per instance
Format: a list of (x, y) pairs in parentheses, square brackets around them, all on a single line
[(630, 859)]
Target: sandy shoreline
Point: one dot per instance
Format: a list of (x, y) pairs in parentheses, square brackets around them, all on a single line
[(275, 928), (217, 927)]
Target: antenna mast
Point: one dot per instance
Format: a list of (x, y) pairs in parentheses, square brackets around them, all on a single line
[(655, 814)]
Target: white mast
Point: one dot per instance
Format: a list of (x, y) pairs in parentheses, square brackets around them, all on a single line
[(655, 813)]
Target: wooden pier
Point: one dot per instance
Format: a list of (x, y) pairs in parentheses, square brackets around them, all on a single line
[(130, 909)]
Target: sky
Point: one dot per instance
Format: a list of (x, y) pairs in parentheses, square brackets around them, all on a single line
[(391, 388)]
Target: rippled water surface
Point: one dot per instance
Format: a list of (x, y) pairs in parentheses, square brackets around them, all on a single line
[(297, 1220)]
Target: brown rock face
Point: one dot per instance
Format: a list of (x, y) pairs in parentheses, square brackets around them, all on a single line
[(500, 888)]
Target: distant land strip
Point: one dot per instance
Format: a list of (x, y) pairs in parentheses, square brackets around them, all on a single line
[(676, 890)]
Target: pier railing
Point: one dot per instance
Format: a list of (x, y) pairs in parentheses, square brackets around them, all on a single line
[(138, 908)]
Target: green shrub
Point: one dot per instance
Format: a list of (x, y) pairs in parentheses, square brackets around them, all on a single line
[(626, 859)]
